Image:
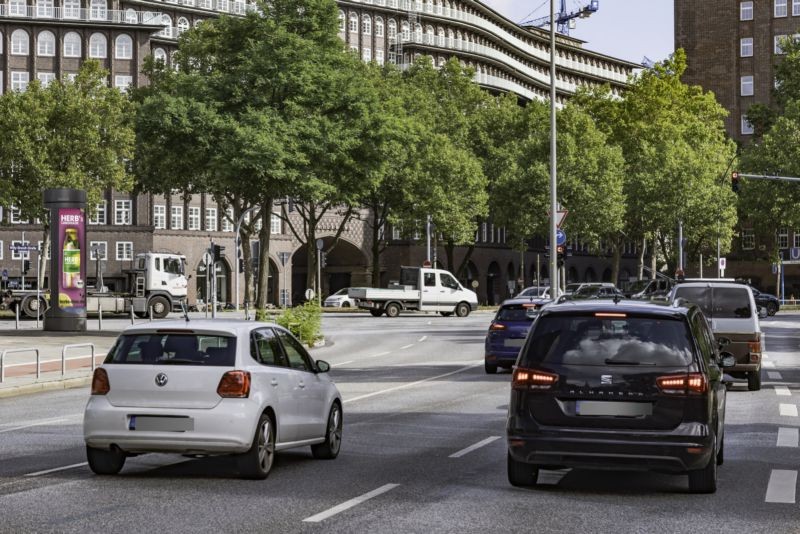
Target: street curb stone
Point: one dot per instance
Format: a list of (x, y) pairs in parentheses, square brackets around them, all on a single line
[(48, 385)]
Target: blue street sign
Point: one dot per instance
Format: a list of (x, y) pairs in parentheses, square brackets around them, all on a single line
[(561, 237), (5, 275)]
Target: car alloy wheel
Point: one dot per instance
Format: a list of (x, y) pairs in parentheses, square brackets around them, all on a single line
[(329, 449), (257, 462)]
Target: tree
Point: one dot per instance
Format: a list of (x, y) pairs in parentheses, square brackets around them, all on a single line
[(75, 134)]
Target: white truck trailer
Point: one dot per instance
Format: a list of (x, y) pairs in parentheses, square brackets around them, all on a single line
[(419, 289)]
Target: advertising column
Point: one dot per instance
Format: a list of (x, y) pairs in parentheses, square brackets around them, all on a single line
[(67, 311)]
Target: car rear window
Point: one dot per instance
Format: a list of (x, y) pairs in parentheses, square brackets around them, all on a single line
[(590, 340), (174, 349), (518, 313), (719, 302)]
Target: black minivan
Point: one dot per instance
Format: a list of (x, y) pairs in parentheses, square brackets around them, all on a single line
[(618, 385)]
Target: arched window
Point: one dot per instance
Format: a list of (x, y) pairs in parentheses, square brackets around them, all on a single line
[(20, 44), (405, 31), (98, 10), (160, 55), (451, 38), (418, 32), (72, 45), (353, 26), (366, 25), (98, 46), (130, 16), (46, 44), (341, 21), (378, 27), (392, 32), (440, 37), (183, 25), (123, 48), (441, 61), (166, 20)]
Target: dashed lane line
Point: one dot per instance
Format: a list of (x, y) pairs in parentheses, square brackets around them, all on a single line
[(412, 384), (341, 363), (782, 391), (476, 446), (423, 338), (42, 422), (56, 469), (322, 516), (774, 375), (788, 437), (407, 347), (782, 486), (788, 410)]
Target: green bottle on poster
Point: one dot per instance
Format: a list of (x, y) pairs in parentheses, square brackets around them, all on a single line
[(71, 268)]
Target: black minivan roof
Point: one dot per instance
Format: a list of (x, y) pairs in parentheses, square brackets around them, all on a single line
[(637, 307)]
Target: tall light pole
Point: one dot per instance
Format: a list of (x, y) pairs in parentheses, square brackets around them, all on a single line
[(554, 277), (238, 239)]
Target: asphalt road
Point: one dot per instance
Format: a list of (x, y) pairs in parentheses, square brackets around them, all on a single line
[(423, 451)]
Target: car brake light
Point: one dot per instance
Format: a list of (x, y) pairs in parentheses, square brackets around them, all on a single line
[(604, 314), (532, 379), (100, 383), (755, 346), (234, 384), (683, 384), (497, 326)]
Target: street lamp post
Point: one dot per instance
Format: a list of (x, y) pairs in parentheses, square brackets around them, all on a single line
[(238, 242), (553, 193)]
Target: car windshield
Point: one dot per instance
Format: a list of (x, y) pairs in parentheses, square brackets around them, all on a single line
[(718, 302), (587, 291), (174, 349), (341, 292), (639, 285), (571, 288), (516, 313), (533, 292), (603, 341)]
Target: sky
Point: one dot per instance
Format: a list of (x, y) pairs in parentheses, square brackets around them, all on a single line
[(627, 29)]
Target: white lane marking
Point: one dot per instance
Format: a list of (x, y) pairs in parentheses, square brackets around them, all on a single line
[(423, 338), (774, 375), (765, 355), (380, 354), (56, 469), (429, 322), (768, 365), (339, 508), (42, 422), (341, 363), (407, 347), (411, 384), (789, 410), (782, 391), (471, 448), (788, 437), (782, 486)]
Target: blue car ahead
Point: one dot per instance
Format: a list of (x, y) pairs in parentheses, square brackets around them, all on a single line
[(508, 331)]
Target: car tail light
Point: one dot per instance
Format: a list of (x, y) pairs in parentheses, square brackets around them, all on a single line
[(100, 383), (755, 346), (683, 384), (532, 379), (234, 384), (497, 326)]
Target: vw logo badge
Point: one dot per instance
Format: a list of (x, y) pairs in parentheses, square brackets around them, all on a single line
[(161, 380)]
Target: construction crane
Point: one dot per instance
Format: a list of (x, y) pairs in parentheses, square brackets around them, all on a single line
[(565, 19)]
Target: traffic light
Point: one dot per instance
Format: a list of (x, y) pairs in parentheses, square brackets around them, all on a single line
[(217, 251), (26, 266), (241, 265), (323, 259), (560, 251), (735, 182)]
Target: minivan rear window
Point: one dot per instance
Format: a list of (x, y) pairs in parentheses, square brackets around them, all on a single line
[(174, 349), (605, 341), (516, 313), (718, 302)]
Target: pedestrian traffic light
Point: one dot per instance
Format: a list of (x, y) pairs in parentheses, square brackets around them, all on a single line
[(26, 266), (735, 181), (217, 252)]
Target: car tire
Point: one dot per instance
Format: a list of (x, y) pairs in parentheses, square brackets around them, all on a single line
[(521, 474), (392, 310), (754, 380), (772, 308), (491, 369), (445, 314), (105, 461), (721, 453), (256, 463), (345, 304), (329, 449), (463, 309), (160, 306), (30, 307), (376, 313), (704, 480)]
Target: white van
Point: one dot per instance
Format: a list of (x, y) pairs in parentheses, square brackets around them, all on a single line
[(732, 312)]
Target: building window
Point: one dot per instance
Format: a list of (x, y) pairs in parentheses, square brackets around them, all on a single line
[(98, 46), (130, 16), (159, 216), (795, 8), (123, 48), (747, 127), (780, 8), (20, 43), (275, 224), (99, 216), (14, 216), (396, 233), (122, 212), (366, 54), (341, 21), (46, 44), (747, 85), (746, 10), (379, 57), (183, 25), (123, 82), (45, 78), (124, 250), (19, 80), (71, 9), (160, 55), (17, 8), (778, 41), (378, 27), (72, 45), (484, 235), (227, 220), (366, 25), (194, 218), (748, 239), (797, 239), (176, 217), (98, 250), (97, 10), (783, 238), (746, 47), (17, 255), (211, 219), (353, 25), (392, 32)]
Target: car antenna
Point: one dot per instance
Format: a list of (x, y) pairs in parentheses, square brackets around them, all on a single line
[(185, 310)]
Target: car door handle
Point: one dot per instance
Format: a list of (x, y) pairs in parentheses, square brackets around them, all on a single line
[(301, 385), (274, 382), (442, 291)]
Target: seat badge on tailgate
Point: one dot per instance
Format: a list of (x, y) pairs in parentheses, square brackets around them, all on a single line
[(606, 380), (161, 379)]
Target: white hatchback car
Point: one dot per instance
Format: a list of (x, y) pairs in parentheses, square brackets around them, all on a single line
[(340, 299), (203, 388)]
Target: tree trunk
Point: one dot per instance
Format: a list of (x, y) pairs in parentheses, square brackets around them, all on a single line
[(376, 249), (262, 297), (450, 252), (640, 263), (247, 258), (616, 259)]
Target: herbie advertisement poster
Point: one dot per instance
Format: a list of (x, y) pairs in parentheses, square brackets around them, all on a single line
[(71, 252)]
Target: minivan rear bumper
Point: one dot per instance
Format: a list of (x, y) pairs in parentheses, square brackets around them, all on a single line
[(685, 448)]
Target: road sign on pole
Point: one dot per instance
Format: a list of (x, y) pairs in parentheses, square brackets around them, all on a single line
[(560, 216), (561, 237)]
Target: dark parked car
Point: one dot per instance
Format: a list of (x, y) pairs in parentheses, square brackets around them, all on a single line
[(508, 331), (605, 291), (632, 385), (765, 300), (646, 289)]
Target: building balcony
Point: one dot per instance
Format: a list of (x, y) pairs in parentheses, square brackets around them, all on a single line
[(100, 16)]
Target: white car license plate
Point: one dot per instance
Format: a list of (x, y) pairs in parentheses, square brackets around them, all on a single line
[(154, 423), (613, 409), (514, 342)]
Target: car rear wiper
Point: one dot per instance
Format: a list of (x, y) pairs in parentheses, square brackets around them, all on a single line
[(610, 361), (177, 361)]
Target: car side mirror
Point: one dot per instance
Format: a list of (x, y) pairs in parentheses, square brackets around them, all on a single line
[(723, 342), (323, 366), (726, 359)]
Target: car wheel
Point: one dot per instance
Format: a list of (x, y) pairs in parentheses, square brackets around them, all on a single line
[(392, 310), (345, 304), (160, 306), (521, 474), (445, 314), (105, 461), (462, 310), (33, 306), (257, 462), (490, 368), (754, 380), (721, 453), (376, 313), (329, 449), (704, 480), (772, 308)]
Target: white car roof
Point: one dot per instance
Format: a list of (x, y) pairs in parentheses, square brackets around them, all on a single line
[(219, 326), (711, 284)]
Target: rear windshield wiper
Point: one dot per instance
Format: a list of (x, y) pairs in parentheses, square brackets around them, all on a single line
[(177, 361), (610, 361)]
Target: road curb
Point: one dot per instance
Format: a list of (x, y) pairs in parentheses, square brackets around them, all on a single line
[(49, 385)]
